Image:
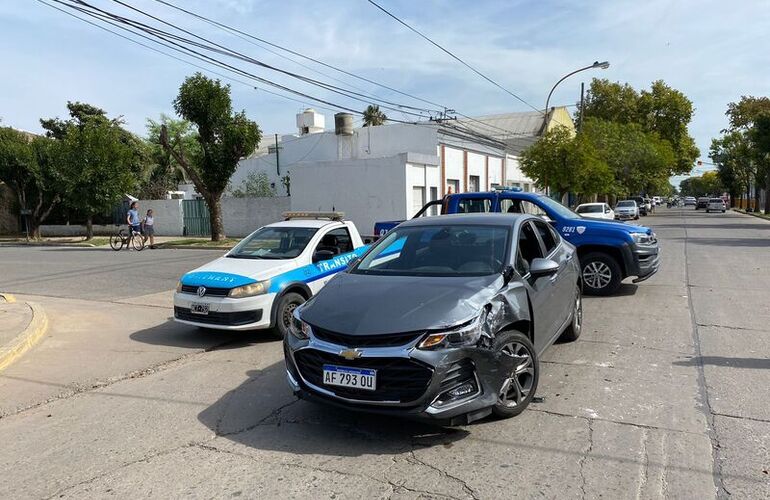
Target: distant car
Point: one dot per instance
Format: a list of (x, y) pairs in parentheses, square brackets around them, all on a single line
[(703, 202), (596, 211), (690, 201), (627, 210), (641, 205), (716, 205)]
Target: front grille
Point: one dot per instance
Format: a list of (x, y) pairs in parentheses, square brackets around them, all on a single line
[(398, 379), (219, 318), (387, 340), (213, 292)]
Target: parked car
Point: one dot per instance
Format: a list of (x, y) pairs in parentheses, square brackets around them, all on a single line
[(690, 201), (595, 211), (260, 282), (703, 202), (626, 210), (716, 205), (641, 204), (445, 318), (609, 251)]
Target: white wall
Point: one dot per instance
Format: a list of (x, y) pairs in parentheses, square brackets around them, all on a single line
[(242, 216), (368, 190), (424, 176), (453, 167), (495, 171), (477, 166), (167, 213)]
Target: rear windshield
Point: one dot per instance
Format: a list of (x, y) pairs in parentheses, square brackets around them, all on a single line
[(438, 250), (589, 209)]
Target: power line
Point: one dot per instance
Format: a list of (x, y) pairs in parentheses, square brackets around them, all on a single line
[(482, 75)]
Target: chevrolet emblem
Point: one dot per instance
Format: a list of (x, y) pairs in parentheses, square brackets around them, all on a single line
[(350, 354)]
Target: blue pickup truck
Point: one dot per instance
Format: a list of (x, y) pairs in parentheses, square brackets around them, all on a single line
[(609, 251)]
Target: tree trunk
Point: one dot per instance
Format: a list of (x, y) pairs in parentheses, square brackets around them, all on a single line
[(767, 192), (89, 227), (215, 211)]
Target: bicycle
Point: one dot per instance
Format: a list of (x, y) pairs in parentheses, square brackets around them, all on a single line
[(122, 238)]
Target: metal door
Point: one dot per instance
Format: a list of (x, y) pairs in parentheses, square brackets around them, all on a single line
[(197, 221)]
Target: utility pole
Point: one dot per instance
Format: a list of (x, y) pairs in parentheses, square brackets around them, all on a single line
[(582, 103), (277, 156)]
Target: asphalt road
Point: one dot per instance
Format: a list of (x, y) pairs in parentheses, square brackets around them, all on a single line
[(666, 394)]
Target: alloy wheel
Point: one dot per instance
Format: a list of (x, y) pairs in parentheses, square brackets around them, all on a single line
[(518, 385), (597, 274)]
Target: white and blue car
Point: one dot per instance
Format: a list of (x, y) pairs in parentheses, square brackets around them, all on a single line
[(260, 282)]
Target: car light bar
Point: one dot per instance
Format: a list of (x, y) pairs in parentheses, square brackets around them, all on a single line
[(313, 215)]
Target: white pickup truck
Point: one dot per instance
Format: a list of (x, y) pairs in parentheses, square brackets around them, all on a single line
[(260, 282)]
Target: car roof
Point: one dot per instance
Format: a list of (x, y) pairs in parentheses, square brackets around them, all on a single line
[(594, 203), (311, 223), (480, 219)]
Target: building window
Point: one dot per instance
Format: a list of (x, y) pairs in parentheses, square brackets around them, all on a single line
[(474, 183), (452, 186), (526, 188), (418, 198), (433, 197)]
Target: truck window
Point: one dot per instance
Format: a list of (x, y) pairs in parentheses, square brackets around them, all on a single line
[(520, 207), (473, 205), (337, 241)]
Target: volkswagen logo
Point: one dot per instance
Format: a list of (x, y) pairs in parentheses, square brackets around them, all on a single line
[(201, 291)]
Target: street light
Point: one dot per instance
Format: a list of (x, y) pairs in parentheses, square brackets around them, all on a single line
[(595, 65)]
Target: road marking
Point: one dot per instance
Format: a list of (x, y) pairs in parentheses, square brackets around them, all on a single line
[(10, 299)]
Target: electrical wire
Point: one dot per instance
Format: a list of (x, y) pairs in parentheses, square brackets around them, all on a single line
[(456, 58)]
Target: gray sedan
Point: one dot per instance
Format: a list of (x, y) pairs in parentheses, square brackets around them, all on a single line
[(444, 318)]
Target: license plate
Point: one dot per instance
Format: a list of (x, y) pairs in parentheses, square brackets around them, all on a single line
[(344, 376), (202, 309)]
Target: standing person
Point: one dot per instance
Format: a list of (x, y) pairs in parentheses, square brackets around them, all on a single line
[(149, 228), (132, 218)]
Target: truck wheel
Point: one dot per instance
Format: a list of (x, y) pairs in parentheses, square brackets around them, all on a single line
[(601, 274), (283, 312)]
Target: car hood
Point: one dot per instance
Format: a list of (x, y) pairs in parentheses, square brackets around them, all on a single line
[(227, 272), (609, 225), (360, 304)]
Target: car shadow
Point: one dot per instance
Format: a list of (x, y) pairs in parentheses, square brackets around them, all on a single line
[(263, 414), (624, 290), (749, 363), (175, 334)]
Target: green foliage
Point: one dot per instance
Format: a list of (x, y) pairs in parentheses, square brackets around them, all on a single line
[(373, 116), (255, 185), (224, 138), (732, 155), (163, 173), (709, 184), (743, 113)]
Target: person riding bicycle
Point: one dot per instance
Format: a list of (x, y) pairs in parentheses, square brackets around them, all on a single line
[(132, 218)]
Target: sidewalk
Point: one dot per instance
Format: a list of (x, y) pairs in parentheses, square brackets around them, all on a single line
[(22, 325)]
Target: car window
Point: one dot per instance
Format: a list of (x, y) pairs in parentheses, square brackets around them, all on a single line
[(590, 209), (273, 243), (528, 247), (337, 241), (474, 205), (547, 236), (438, 250)]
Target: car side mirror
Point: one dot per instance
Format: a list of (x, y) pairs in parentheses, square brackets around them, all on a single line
[(322, 255), (507, 274), (543, 267)]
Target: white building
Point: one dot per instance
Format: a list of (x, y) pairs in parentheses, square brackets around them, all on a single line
[(389, 172)]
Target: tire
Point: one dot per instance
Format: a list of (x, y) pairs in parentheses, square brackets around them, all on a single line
[(137, 243), (286, 305), (607, 267), (575, 328), (517, 392), (116, 240), (723, 211)]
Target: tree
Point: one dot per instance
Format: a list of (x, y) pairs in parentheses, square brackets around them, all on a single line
[(163, 172), (255, 185), (373, 116), (224, 138), (98, 161), (732, 155), (27, 167), (708, 184), (760, 138)]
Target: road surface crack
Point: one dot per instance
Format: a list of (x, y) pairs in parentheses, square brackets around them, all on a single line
[(584, 458), (412, 458)]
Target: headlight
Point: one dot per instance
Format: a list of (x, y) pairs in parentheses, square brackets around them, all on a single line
[(179, 286), (249, 290), (643, 239), (466, 334), (298, 328)]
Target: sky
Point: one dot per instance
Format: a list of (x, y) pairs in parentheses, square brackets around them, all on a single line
[(713, 51)]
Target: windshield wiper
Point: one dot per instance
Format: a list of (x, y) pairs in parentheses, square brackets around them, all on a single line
[(242, 256)]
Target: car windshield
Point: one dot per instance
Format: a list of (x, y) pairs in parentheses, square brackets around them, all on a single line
[(557, 207), (626, 203), (273, 243), (589, 209), (715, 200), (438, 250)]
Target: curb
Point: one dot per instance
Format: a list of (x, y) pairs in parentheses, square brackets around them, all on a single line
[(753, 214), (27, 339)]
